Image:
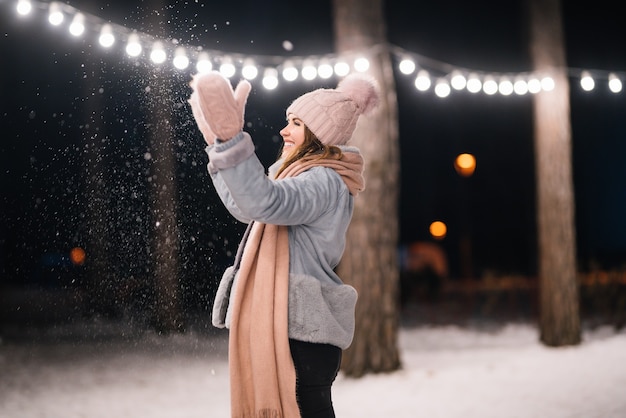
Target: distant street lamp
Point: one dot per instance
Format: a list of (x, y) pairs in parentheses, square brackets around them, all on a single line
[(465, 164), (78, 256), (438, 230)]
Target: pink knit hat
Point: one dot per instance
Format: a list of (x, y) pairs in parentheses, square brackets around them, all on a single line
[(332, 114)]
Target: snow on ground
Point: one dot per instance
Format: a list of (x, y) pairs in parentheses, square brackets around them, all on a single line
[(448, 371)]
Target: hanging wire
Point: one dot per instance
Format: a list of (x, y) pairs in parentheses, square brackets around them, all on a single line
[(429, 73)]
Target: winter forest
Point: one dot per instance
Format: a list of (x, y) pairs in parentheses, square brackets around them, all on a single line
[(492, 219)]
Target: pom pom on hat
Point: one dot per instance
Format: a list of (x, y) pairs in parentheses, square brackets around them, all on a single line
[(362, 90), (331, 114)]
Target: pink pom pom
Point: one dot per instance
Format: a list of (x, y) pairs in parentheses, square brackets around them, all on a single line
[(362, 90)]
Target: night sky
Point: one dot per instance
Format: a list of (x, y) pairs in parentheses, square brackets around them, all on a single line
[(49, 80)]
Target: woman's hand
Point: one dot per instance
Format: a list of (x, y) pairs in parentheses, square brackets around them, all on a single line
[(221, 107)]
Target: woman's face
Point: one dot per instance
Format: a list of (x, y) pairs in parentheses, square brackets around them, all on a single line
[(293, 135)]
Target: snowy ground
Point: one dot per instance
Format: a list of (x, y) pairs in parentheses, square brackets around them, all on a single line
[(448, 372)]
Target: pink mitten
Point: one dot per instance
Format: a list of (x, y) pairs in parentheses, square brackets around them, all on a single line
[(204, 127), (223, 108)]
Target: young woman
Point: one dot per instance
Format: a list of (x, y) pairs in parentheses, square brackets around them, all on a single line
[(289, 314)]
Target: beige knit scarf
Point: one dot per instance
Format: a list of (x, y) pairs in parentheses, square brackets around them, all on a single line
[(262, 374)]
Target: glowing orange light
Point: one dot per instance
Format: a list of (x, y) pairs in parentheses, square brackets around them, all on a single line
[(77, 255), (438, 230), (465, 164)]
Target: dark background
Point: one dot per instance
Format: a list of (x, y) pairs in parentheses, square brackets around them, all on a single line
[(49, 78)]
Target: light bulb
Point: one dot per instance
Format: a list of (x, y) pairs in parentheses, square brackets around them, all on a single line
[(342, 68), (55, 15), (24, 7), (520, 86), (490, 86), (505, 87), (361, 64), (474, 85), (77, 27), (180, 61), (227, 68), (290, 72), (442, 88), (615, 84), (309, 71), (133, 47), (586, 81), (458, 80), (106, 38), (204, 65), (249, 70), (407, 66), (270, 78), (158, 55), (422, 81)]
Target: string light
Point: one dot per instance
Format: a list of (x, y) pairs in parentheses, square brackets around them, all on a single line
[(309, 71), (520, 86), (458, 80), (505, 87), (158, 54), (407, 66), (270, 78), (534, 85), (325, 70), (106, 39), (445, 77), (55, 15), (180, 61), (227, 68), (290, 72), (133, 47), (361, 64), (490, 86), (422, 81), (77, 27), (547, 84), (474, 85), (204, 64), (24, 7), (442, 88), (615, 84), (249, 70), (341, 68), (586, 81)]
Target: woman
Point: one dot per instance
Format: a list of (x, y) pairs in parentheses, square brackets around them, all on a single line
[(288, 313)]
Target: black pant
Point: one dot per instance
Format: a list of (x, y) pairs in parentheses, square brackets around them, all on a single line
[(317, 366)]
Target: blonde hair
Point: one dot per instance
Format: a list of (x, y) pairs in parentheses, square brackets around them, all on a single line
[(312, 149)]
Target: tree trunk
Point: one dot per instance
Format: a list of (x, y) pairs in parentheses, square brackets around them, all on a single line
[(100, 280), (165, 243), (559, 304), (370, 260)]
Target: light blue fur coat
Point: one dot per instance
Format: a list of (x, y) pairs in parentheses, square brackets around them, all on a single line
[(317, 207)]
